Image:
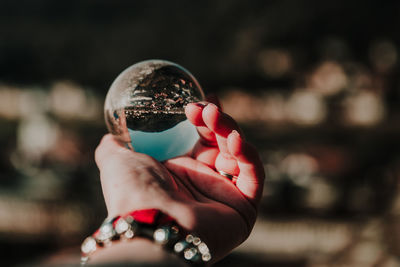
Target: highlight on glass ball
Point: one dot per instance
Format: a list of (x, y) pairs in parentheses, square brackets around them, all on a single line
[(145, 108)]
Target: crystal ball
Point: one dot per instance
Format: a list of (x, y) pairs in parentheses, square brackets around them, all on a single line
[(144, 108)]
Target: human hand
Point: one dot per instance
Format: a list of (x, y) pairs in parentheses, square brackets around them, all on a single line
[(221, 204), (189, 188)]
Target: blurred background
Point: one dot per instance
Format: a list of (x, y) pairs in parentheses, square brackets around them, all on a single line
[(314, 85)]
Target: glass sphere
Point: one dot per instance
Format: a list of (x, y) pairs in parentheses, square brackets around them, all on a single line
[(144, 108)]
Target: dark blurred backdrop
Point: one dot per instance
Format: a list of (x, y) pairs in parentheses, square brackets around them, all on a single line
[(314, 85)]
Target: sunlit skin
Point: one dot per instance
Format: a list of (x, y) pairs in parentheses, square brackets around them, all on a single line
[(189, 188)]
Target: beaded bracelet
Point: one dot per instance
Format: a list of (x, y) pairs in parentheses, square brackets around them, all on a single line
[(151, 224)]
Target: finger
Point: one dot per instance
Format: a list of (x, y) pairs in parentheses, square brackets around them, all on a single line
[(251, 176), (222, 125), (206, 149), (205, 154), (107, 146), (194, 110), (194, 113)]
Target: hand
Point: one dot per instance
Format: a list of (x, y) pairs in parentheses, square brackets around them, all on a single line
[(189, 188)]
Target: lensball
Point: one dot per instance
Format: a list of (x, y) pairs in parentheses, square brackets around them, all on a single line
[(144, 108)]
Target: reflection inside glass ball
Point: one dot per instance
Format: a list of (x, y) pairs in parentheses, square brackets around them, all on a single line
[(144, 108)]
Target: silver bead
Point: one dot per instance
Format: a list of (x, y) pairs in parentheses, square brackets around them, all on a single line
[(206, 257), (121, 227), (190, 253), (106, 228), (180, 246), (196, 241), (175, 230), (189, 238), (129, 219), (202, 247), (106, 232), (129, 234), (161, 236)]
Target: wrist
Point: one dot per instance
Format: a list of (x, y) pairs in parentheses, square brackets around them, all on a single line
[(138, 250), (153, 225), (137, 201)]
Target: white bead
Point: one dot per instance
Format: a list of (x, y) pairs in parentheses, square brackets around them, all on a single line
[(189, 238), (129, 234), (179, 247), (206, 257), (89, 245), (160, 236), (106, 232), (196, 241), (202, 247), (190, 253), (107, 228), (122, 226)]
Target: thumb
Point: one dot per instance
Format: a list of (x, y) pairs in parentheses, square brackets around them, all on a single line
[(108, 148)]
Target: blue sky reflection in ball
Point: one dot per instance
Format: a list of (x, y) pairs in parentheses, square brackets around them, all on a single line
[(144, 108)]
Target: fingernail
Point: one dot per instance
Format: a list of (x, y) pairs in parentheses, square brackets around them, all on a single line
[(236, 133), (213, 106)]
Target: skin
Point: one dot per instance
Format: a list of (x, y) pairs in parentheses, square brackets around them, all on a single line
[(189, 188)]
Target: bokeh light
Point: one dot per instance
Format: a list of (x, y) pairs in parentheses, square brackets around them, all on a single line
[(328, 79), (364, 109), (306, 108), (275, 63), (383, 55)]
